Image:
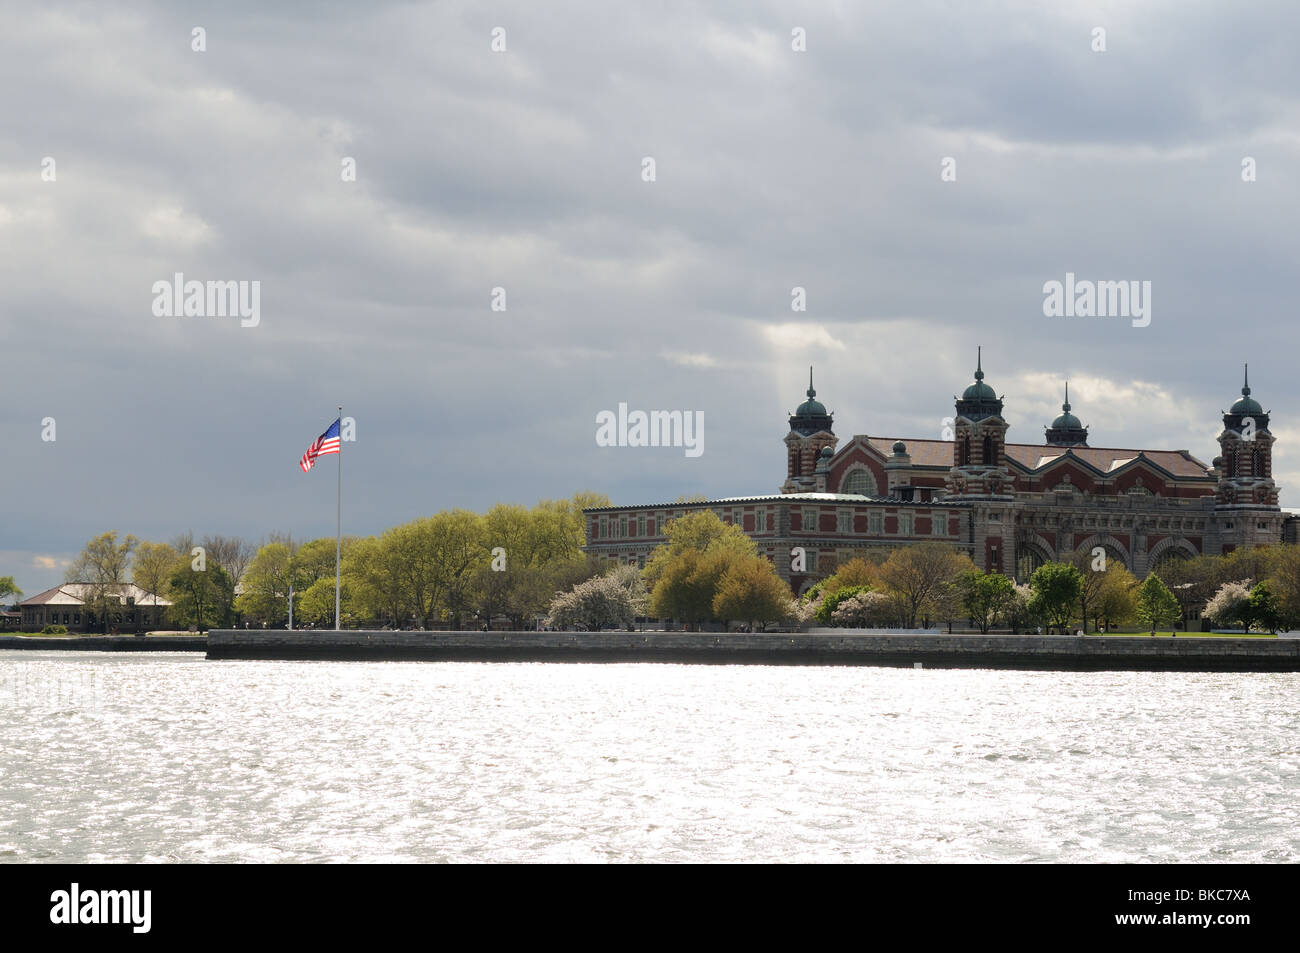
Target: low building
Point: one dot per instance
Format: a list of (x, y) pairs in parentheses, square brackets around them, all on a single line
[(135, 611)]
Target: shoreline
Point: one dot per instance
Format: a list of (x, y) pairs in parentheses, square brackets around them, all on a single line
[(1052, 653), (105, 643)]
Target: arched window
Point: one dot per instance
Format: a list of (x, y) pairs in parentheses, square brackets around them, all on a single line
[(1258, 469), (859, 480), (1170, 557), (965, 450), (1027, 560), (988, 451)]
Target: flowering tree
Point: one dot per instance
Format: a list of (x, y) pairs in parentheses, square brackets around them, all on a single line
[(616, 598), (1230, 605)]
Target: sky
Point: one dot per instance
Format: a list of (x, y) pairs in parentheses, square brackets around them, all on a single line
[(919, 169)]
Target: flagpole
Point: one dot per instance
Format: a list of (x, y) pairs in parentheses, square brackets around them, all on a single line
[(338, 538)]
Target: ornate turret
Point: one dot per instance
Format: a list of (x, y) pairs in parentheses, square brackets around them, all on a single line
[(979, 399), (1246, 469), (811, 432), (979, 439), (1067, 430)]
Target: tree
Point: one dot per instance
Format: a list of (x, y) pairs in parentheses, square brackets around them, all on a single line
[(703, 531), (688, 584), (1156, 605), (1022, 612), (865, 608), (152, 565), (830, 602), (986, 596), (1115, 602), (1284, 582), (201, 598), (265, 594), (102, 567), (923, 577), (1230, 605), (1263, 606), (1056, 591), (615, 598), (9, 590), (230, 553), (751, 591)]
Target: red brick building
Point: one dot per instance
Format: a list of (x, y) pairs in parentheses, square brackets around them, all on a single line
[(1010, 506)]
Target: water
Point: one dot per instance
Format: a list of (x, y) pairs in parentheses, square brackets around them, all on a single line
[(164, 758)]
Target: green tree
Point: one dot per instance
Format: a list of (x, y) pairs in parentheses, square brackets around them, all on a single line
[(830, 602), (152, 566), (923, 578), (688, 583), (751, 591), (1056, 591), (1264, 609), (702, 531), (1115, 602), (102, 567), (9, 590), (1156, 605), (265, 594), (986, 597), (201, 598)]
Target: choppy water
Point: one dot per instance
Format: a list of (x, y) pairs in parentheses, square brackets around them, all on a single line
[(172, 758)]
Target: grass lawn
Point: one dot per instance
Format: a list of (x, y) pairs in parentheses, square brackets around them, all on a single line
[(1190, 635)]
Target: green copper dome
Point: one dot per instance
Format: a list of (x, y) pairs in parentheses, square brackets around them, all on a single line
[(1067, 430), (1245, 404), (979, 400), (811, 416)]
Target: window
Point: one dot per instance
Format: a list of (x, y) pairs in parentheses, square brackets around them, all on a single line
[(640, 525), (809, 520), (622, 527), (760, 521), (875, 522), (859, 480), (812, 560), (939, 524), (737, 518), (640, 561), (905, 524), (844, 522), (603, 528)]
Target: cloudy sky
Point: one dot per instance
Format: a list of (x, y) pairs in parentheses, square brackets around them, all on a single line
[(523, 170)]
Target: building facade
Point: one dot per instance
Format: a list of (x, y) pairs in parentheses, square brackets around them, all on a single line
[(1009, 506), (136, 610)]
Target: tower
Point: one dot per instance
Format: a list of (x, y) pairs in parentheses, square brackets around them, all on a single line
[(1246, 451), (811, 430), (979, 464), (1067, 430)]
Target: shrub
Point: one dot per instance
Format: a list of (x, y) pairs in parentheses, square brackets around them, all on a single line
[(55, 630)]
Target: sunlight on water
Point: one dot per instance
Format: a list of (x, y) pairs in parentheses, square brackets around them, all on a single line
[(153, 757)]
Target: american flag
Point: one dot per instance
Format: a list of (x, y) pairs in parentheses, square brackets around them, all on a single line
[(328, 442)]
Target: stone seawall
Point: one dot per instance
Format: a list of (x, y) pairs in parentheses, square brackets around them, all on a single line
[(908, 651), (106, 643)]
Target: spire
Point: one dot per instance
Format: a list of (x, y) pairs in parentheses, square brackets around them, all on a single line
[(1245, 384), (811, 393), (979, 363), (1066, 406)]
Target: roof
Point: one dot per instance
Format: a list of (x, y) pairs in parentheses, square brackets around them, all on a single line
[(1034, 456), (76, 594), (783, 498)]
